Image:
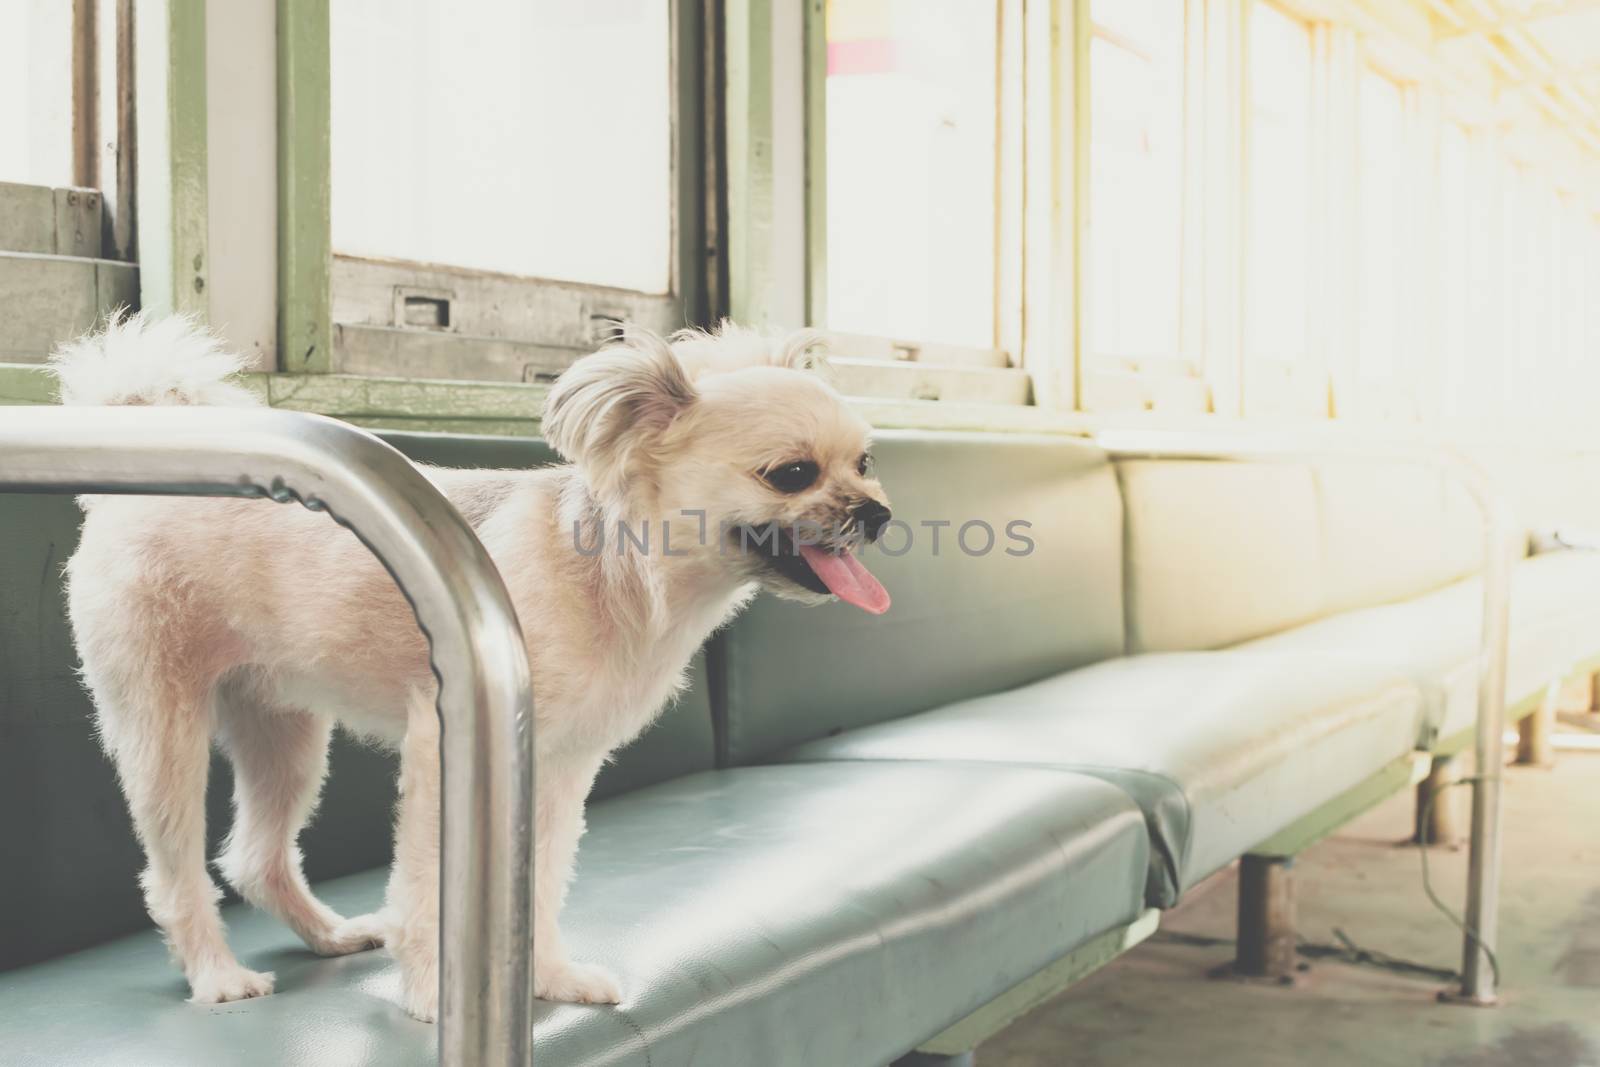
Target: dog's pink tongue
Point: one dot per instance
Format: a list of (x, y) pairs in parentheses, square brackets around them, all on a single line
[(847, 579)]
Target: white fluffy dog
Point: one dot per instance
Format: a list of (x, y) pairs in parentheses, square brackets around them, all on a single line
[(258, 626)]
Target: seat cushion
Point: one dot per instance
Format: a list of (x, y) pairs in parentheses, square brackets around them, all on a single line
[(123, 1002), (1555, 626), (788, 915), (969, 617), (1221, 750)]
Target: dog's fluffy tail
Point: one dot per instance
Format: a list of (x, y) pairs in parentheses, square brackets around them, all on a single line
[(139, 360)]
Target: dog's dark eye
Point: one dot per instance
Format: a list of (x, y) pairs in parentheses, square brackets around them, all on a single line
[(791, 477), (864, 464)]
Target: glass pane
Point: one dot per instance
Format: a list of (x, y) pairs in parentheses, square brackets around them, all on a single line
[(36, 93), (531, 139), (1134, 19), (1382, 122), (1591, 299), (1280, 173), (1567, 377), (1575, 288), (1455, 270), (1136, 180), (1531, 316), (911, 149)]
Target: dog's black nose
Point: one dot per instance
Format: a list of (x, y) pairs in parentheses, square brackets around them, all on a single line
[(872, 516)]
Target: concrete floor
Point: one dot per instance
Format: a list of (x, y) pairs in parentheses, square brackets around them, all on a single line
[(1156, 1005)]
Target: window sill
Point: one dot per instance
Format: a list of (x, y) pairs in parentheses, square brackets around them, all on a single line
[(512, 408), (502, 408)]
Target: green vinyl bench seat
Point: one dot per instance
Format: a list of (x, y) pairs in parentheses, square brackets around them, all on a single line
[(1220, 749), (123, 1003), (828, 913), (1433, 638), (851, 835)]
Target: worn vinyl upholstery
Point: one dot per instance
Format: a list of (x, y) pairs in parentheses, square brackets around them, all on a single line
[(1221, 553), (1389, 533), (1555, 627), (1220, 749), (786, 916), (961, 625), (917, 811), (1208, 565)]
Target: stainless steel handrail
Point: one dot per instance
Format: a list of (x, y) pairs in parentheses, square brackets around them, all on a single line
[(1483, 873), (476, 648)]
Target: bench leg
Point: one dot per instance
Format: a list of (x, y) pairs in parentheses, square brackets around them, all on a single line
[(932, 1059), (1439, 808), (1266, 946), (1534, 732)]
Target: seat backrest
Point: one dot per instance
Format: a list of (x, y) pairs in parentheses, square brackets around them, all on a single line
[(964, 621), (1391, 533), (1220, 552)]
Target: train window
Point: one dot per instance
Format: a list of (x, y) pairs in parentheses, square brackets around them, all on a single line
[(1258, 208), (920, 148), (66, 198), (1456, 256), (1589, 299), (1381, 123), (1570, 298), (912, 142), (1133, 287), (1527, 323), (36, 94), (446, 151), (480, 228), (1277, 247)]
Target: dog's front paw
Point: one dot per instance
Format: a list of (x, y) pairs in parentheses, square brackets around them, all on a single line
[(576, 983), (422, 1002), (222, 984), (357, 934), (419, 974)]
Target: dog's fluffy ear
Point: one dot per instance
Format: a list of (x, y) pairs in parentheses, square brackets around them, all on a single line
[(606, 406)]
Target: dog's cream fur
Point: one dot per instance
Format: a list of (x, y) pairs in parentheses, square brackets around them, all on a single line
[(258, 626)]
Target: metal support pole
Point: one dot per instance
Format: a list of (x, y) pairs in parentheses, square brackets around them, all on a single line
[(1482, 916), (1266, 931), (1327, 447), (1535, 733), (476, 649), (1438, 814)]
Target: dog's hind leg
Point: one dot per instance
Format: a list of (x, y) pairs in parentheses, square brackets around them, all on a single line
[(157, 730), (280, 757), (413, 899)]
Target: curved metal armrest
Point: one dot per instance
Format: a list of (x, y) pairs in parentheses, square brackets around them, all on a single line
[(1483, 879), (476, 647)]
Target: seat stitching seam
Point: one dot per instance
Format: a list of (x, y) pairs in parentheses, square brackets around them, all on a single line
[(644, 1042)]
